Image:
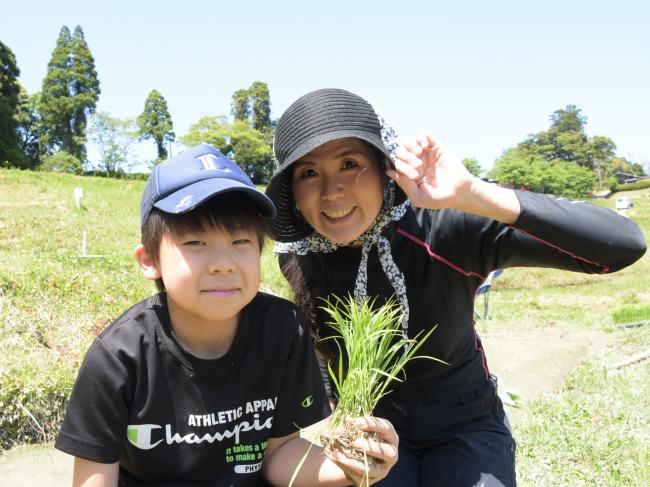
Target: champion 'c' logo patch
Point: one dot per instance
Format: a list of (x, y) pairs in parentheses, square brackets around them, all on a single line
[(308, 401)]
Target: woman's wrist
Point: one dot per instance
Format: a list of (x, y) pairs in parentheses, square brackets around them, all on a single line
[(490, 200)]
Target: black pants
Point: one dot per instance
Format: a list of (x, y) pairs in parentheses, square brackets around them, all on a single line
[(461, 443)]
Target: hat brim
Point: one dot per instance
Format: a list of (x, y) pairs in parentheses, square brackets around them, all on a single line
[(193, 195)]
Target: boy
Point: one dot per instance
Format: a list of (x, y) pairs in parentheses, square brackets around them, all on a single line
[(200, 383)]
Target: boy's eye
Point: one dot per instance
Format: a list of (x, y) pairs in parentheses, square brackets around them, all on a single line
[(242, 241), (349, 164), (194, 243)]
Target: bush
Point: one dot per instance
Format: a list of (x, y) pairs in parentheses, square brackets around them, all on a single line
[(642, 184), (62, 162), (518, 168)]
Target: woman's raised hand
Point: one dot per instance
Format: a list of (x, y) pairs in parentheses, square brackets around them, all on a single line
[(434, 178), (430, 175)]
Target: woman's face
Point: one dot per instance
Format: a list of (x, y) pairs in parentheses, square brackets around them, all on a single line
[(338, 188)]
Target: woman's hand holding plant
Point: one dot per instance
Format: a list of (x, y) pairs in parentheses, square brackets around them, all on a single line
[(383, 449)]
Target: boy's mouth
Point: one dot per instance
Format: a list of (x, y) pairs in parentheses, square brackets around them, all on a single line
[(221, 292)]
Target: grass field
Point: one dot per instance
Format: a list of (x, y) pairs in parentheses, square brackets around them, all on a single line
[(53, 302)]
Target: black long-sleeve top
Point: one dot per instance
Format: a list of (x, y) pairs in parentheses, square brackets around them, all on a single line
[(446, 254)]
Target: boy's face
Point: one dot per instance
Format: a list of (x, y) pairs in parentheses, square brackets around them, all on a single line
[(209, 275)]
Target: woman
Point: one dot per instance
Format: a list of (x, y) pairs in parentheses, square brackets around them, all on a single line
[(359, 214)]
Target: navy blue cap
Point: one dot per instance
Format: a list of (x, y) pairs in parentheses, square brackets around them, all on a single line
[(182, 183)]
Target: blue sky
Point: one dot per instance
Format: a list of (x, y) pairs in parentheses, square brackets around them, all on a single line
[(479, 75)]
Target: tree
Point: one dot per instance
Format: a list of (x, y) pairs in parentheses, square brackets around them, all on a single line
[(29, 126), (520, 168), (155, 122), (70, 93), (10, 153), (473, 166), (61, 161), (601, 153), (113, 138), (249, 148), (565, 140), (562, 160), (241, 109), (568, 119), (261, 102), (253, 105), (248, 139)]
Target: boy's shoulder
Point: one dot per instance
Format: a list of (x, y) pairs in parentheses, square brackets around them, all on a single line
[(264, 303), (141, 319), (278, 312)]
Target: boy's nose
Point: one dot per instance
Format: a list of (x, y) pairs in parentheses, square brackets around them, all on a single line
[(222, 262)]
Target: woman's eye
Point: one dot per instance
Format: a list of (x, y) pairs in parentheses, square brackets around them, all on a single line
[(307, 173)]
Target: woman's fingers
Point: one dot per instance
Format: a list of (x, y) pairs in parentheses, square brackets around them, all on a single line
[(359, 470), (406, 167), (386, 449), (378, 425), (386, 452)]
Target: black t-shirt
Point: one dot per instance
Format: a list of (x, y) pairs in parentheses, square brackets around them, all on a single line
[(173, 419), (446, 254)]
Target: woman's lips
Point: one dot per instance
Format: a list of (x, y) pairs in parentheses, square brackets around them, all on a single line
[(338, 214)]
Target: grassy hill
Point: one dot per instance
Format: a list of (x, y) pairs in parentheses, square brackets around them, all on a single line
[(53, 302)]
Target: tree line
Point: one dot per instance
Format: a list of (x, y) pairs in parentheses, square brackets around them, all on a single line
[(50, 130)]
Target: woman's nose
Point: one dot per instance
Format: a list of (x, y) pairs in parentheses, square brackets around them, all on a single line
[(331, 188)]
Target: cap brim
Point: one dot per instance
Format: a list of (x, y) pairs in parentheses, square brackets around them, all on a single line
[(191, 196)]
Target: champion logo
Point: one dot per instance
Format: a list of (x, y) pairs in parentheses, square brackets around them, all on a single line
[(139, 435), (308, 401)]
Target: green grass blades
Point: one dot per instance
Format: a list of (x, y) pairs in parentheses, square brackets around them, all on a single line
[(376, 352), (632, 313)]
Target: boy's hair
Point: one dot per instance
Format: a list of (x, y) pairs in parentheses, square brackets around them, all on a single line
[(226, 212)]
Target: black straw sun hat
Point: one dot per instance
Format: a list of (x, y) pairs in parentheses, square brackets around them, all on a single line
[(312, 120)]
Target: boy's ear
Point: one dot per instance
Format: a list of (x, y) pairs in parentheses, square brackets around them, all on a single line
[(147, 264)]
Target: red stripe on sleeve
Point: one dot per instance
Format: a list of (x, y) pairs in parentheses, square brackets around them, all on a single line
[(437, 257), (604, 268)]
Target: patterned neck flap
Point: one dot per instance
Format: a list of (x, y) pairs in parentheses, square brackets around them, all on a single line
[(317, 243)]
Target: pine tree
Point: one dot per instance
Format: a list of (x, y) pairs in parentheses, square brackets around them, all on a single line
[(261, 101), (10, 153), (70, 93), (241, 109), (155, 122)]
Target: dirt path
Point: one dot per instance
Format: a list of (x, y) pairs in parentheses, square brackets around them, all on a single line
[(535, 363), (528, 364)]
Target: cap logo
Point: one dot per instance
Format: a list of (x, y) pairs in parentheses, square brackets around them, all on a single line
[(184, 203), (211, 162)]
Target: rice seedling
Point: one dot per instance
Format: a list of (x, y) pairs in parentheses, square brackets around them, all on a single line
[(372, 353)]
